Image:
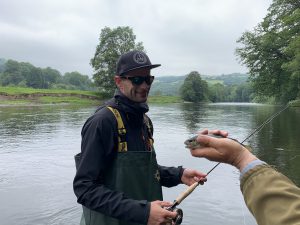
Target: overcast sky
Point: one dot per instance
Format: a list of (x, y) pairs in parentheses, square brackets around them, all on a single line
[(182, 35)]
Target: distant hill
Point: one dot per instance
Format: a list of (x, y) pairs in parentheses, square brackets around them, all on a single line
[(228, 79), (170, 85)]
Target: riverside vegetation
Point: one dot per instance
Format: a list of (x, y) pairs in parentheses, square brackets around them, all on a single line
[(31, 96), (22, 96), (23, 83)]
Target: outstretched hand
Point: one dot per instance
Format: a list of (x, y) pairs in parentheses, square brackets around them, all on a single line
[(222, 149)]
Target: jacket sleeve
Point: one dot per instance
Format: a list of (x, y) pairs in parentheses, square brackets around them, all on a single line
[(170, 176), (97, 150), (271, 197)]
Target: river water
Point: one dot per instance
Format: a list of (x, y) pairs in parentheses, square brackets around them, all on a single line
[(37, 145)]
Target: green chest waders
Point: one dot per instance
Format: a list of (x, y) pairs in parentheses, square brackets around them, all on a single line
[(133, 172)]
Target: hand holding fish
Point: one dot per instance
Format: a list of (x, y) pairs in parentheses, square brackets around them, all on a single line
[(223, 150), (192, 143)]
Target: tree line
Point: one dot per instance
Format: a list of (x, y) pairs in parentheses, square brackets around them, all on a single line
[(23, 74), (195, 89)]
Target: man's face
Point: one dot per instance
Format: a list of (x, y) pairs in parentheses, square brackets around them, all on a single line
[(133, 88)]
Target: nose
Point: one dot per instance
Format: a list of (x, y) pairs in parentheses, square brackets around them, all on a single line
[(145, 85)]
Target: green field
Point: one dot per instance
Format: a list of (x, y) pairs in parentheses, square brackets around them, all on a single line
[(164, 99), (24, 96), (21, 96), (21, 90)]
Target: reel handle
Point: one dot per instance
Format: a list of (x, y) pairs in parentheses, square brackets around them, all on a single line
[(178, 219)]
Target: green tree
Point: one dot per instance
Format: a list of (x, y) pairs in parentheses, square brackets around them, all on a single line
[(35, 78), (243, 93), (113, 43), (12, 74), (77, 80), (22, 74), (271, 51), (51, 77), (217, 92), (194, 89)]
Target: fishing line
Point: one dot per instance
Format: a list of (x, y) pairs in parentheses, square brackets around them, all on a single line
[(265, 123)]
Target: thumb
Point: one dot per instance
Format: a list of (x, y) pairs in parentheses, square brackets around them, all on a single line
[(207, 141), (209, 149), (206, 152)]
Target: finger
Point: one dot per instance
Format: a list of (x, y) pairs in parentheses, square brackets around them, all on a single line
[(169, 221), (199, 180), (165, 204), (199, 174), (219, 132), (170, 214), (224, 133), (204, 132)]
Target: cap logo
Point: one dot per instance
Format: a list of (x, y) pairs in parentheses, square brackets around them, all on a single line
[(139, 58)]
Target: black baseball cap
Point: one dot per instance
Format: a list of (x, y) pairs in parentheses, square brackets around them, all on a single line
[(133, 60)]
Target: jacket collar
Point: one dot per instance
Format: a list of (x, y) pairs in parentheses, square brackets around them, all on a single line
[(125, 104)]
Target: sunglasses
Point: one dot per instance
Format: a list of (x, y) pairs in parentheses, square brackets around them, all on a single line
[(138, 80)]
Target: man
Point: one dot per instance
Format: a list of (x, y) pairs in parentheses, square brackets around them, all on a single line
[(118, 180), (270, 196)]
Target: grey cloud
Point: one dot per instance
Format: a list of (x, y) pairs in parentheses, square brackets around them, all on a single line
[(183, 36)]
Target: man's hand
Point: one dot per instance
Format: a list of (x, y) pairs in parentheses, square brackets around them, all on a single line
[(223, 150), (159, 215), (190, 176)]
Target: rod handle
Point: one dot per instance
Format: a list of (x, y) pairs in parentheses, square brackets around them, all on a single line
[(188, 191)]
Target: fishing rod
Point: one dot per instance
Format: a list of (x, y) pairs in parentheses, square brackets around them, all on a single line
[(191, 188)]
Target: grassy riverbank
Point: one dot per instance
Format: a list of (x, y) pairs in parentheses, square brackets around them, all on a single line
[(30, 96), (164, 99), (295, 103), (25, 96)]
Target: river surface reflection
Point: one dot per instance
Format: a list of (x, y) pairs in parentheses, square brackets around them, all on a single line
[(37, 145)]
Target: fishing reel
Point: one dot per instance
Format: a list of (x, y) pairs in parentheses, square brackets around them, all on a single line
[(178, 219)]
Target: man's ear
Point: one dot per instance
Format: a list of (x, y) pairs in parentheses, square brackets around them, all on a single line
[(118, 82)]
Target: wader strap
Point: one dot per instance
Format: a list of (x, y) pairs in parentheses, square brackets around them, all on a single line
[(150, 130), (122, 146)]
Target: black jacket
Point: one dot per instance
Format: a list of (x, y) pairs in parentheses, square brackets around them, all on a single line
[(98, 148)]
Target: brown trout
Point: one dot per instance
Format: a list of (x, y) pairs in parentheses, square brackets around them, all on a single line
[(193, 144)]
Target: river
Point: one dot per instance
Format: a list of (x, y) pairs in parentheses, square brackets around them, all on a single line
[(37, 145)]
